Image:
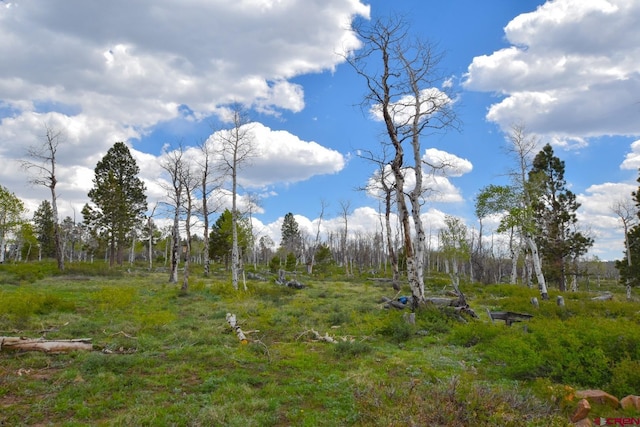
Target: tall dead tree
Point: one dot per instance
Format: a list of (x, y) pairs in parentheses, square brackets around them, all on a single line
[(316, 243), (172, 164), (383, 186), (345, 211), (401, 76), (523, 147), (189, 181), (234, 149), (43, 164), (625, 210), (208, 184)]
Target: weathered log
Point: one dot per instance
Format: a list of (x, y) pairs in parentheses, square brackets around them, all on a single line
[(604, 297), (394, 303), (509, 317), (459, 303), (444, 302), (231, 319), (326, 337), (43, 345)]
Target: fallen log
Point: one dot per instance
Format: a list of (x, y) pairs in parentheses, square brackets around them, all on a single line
[(604, 297), (459, 303), (326, 337), (231, 319), (509, 317), (45, 346)]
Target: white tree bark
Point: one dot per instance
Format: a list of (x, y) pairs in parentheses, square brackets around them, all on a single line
[(231, 319), (537, 266)]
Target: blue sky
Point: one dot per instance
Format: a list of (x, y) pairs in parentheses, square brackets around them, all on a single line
[(156, 75)]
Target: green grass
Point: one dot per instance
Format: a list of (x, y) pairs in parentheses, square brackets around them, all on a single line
[(166, 358)]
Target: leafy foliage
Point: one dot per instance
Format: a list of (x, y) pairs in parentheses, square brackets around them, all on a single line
[(11, 211)]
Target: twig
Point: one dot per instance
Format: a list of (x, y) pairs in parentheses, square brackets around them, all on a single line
[(266, 349), (119, 333)]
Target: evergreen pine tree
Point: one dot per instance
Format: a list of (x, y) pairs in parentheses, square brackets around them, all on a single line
[(44, 228), (119, 198), (555, 214), (291, 240)]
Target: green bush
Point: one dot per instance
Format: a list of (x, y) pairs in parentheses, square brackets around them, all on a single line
[(625, 378), (398, 330), (471, 334), (291, 261), (515, 354), (436, 320), (274, 264), (338, 316), (21, 305), (348, 349), (570, 361), (22, 273)]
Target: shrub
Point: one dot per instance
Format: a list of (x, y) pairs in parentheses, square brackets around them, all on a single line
[(338, 316), (517, 357), (398, 330), (274, 264), (114, 297), (21, 305), (436, 320), (625, 378), (349, 349), (471, 334), (16, 274)]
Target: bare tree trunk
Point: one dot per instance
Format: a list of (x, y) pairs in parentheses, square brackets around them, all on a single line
[(345, 208), (173, 165), (390, 241), (537, 265), (44, 165), (515, 254), (175, 247)]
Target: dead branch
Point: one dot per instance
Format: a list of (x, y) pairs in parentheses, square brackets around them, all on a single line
[(119, 333)]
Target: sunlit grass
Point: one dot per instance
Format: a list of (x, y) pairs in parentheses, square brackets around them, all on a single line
[(167, 358)]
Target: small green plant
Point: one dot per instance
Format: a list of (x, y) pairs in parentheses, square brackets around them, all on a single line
[(398, 330), (338, 316), (348, 349), (291, 261), (471, 334)]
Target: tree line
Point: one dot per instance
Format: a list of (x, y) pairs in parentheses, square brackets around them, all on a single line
[(538, 241)]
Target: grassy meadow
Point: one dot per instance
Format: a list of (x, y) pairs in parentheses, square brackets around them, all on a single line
[(166, 358)]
